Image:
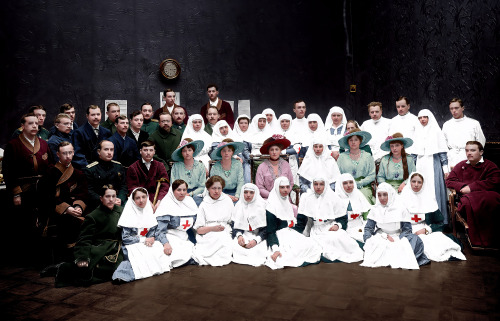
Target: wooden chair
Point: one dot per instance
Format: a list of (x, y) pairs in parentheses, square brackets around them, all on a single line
[(455, 216)]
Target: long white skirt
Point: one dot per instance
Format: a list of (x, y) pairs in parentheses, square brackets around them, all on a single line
[(437, 246), (382, 252), (182, 248), (356, 228), (256, 256), (214, 248), (295, 249), (147, 261), (336, 245)]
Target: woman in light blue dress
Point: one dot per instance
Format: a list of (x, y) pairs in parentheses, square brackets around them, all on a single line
[(395, 167), (229, 168)]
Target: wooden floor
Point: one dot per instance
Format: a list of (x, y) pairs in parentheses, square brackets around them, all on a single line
[(467, 290)]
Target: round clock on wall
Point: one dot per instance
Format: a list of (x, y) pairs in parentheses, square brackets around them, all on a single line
[(170, 68)]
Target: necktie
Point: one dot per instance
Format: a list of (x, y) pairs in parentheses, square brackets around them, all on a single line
[(96, 131)]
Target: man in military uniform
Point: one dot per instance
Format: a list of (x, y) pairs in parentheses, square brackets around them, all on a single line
[(166, 139), (126, 151), (212, 119), (178, 116), (113, 111), (150, 125), (40, 114), (63, 196), (87, 138), (103, 172)]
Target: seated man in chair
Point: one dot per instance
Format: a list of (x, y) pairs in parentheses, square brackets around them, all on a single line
[(477, 183)]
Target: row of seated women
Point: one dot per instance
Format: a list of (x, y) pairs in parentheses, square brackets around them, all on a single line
[(400, 231)]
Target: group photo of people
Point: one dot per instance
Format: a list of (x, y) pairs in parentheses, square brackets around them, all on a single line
[(120, 197)]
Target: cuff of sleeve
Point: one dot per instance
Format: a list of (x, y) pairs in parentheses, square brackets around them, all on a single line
[(384, 235), (428, 230), (142, 239), (238, 234), (258, 239), (446, 169), (275, 248), (338, 224)]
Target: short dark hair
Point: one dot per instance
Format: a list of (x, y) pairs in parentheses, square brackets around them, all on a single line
[(164, 114), (457, 100), (35, 107), (177, 183), (298, 101), (121, 117), (213, 108), (104, 188), (104, 141), (62, 144), (375, 104), (403, 98), (112, 104), (212, 180), (213, 85), (23, 117), (168, 90), (92, 107), (65, 107), (146, 104), (135, 113), (475, 142), (147, 143)]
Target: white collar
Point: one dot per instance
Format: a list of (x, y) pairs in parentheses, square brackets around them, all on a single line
[(31, 141), (480, 161), (214, 103)]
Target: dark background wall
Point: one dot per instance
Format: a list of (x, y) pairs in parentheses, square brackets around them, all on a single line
[(271, 52)]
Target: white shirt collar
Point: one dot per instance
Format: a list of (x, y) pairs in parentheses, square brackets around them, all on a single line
[(148, 165), (32, 142), (214, 103), (480, 161)]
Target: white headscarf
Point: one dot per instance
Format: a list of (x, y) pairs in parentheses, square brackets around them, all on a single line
[(240, 135), (251, 213), (259, 135), (290, 133), (323, 165), (394, 211), (421, 202), (359, 204), (217, 136), (305, 138), (329, 121), (135, 217), (278, 205), (324, 206), (173, 207), (429, 140), (274, 125), (189, 132)]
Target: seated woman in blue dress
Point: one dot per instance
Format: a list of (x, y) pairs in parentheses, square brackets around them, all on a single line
[(395, 167), (427, 221), (143, 254), (249, 234), (357, 162), (176, 217), (288, 246), (229, 168), (388, 236), (189, 169)]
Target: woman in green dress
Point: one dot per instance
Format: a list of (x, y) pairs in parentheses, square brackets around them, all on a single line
[(98, 251), (229, 168), (188, 169), (357, 162), (395, 167)]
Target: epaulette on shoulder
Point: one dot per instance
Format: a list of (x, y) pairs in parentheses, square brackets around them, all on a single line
[(20, 129), (92, 164), (116, 162), (155, 120)]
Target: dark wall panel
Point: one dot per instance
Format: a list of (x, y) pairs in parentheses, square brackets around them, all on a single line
[(83, 52), (429, 51)]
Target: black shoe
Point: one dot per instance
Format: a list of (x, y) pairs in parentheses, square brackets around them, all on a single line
[(50, 270)]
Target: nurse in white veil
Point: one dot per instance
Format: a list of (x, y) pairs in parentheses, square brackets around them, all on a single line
[(195, 131)]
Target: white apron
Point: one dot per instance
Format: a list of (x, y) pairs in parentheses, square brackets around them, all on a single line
[(182, 248), (256, 256), (214, 248), (147, 261)]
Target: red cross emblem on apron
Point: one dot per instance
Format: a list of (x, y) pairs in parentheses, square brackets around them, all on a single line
[(291, 224), (144, 232), (186, 225), (416, 218), (250, 228), (354, 216)]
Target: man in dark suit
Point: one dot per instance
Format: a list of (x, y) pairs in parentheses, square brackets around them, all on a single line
[(126, 151), (86, 138), (69, 110), (135, 131)]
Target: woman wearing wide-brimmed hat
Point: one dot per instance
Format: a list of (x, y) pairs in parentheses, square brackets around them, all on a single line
[(188, 169), (396, 166), (357, 162), (229, 168), (274, 167)]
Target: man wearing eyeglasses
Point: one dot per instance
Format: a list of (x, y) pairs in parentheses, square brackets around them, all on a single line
[(62, 125), (63, 195)]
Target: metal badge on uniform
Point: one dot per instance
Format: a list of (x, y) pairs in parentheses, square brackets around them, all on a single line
[(72, 188)]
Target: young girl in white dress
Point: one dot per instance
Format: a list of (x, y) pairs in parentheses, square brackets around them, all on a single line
[(176, 216), (250, 234), (143, 254), (427, 221), (388, 235), (214, 244), (329, 223), (287, 245)]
